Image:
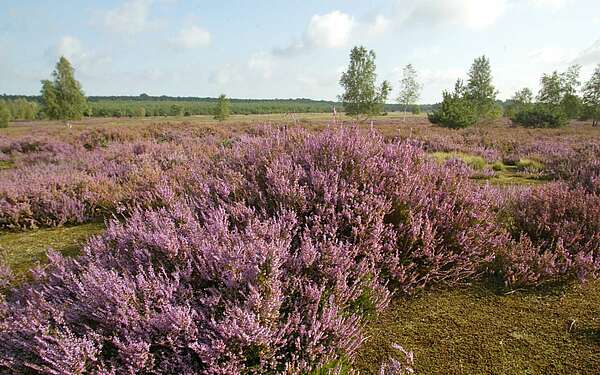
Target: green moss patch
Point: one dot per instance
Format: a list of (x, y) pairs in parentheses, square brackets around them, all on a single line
[(23, 250), (480, 331)]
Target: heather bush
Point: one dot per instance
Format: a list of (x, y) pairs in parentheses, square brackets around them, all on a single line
[(557, 235), (269, 260), (267, 252)]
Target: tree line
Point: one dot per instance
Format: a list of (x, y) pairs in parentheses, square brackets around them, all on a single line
[(557, 101), (562, 96)]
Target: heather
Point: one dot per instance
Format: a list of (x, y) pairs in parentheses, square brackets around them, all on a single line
[(266, 252)]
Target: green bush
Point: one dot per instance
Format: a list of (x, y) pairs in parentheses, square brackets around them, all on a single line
[(540, 116), (455, 112)]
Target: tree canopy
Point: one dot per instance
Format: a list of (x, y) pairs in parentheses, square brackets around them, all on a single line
[(361, 96), (222, 108), (591, 96), (63, 98), (410, 88), (480, 91)]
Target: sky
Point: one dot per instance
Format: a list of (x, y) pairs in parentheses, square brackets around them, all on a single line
[(289, 49)]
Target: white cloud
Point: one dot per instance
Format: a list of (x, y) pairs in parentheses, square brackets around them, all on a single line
[(192, 37), (473, 14), (551, 55), (225, 75), (71, 48), (378, 26), (551, 4), (130, 18), (84, 60), (590, 55), (443, 77), (262, 63), (331, 30)]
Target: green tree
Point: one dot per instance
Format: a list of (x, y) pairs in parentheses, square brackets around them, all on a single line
[(361, 96), (570, 102), (221, 111), (551, 89), (4, 114), (591, 96), (480, 90), (63, 98), (410, 89), (521, 100), (455, 111)]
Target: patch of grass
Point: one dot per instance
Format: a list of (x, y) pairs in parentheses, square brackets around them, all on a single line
[(473, 161), (511, 175), (530, 165), (480, 331), (499, 166), (23, 250), (6, 164)]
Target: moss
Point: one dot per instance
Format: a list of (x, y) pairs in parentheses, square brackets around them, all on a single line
[(23, 250), (480, 331)]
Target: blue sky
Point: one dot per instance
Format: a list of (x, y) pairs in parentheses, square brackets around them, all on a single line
[(283, 49)]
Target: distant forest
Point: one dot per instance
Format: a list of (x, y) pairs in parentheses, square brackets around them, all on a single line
[(147, 105)]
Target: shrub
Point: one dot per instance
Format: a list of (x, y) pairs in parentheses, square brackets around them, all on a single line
[(270, 262), (454, 112), (540, 116), (557, 230)]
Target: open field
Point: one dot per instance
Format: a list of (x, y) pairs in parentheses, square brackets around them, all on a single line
[(473, 316)]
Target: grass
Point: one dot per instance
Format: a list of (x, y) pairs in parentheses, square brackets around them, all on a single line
[(6, 164), (482, 331), (23, 250), (473, 161)]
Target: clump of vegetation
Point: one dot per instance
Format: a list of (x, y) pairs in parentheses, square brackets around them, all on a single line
[(455, 112), (471, 103), (540, 116)]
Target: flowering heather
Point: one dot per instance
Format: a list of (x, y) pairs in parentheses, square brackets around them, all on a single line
[(265, 254), (558, 233)]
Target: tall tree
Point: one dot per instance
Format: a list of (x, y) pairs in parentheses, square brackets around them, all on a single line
[(591, 96), (4, 114), (523, 97), (551, 92), (521, 100), (361, 96), (480, 90), (221, 111), (410, 88), (570, 102), (63, 98)]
